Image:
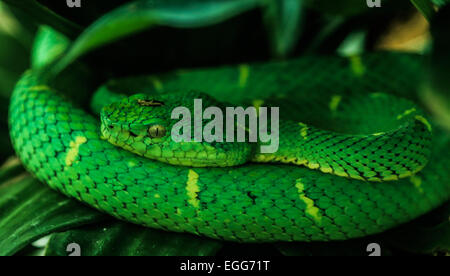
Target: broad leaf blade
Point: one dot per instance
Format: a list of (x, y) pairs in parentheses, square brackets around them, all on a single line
[(425, 7), (30, 210), (48, 46), (342, 7), (441, 2), (283, 19), (141, 15), (43, 15), (13, 61), (436, 93), (427, 235), (123, 239), (10, 169)]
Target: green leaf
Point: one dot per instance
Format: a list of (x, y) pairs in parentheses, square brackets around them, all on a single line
[(11, 169), (425, 7), (441, 2), (140, 15), (48, 46), (283, 19), (436, 91), (7, 82), (427, 235), (45, 16), (353, 44), (15, 27), (6, 149), (30, 210), (76, 83), (13, 61), (123, 239), (342, 7)]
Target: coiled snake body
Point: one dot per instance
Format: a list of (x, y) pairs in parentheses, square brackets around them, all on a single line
[(368, 149)]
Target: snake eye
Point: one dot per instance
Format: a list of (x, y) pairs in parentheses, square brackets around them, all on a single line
[(157, 131)]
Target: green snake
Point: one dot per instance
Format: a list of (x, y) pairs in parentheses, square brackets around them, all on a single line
[(354, 159)]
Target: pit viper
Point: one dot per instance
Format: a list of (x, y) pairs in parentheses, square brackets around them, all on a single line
[(355, 158)]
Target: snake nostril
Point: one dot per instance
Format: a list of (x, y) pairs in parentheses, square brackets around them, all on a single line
[(111, 126)]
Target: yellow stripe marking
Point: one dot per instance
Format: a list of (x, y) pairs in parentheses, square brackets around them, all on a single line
[(192, 188), (303, 131), (417, 182), (406, 174), (264, 158), (39, 88), (341, 173), (313, 166), (390, 178), (72, 154), (357, 66), (379, 134), (334, 103), (424, 121), (357, 177), (326, 169), (406, 113), (244, 73), (293, 160), (311, 210), (132, 164)]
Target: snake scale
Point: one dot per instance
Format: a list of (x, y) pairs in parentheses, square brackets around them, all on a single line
[(360, 186)]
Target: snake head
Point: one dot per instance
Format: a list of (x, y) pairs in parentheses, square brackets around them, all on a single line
[(139, 123), (143, 125)]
